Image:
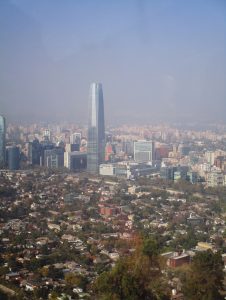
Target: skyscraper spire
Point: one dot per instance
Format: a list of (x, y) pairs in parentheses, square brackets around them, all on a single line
[(96, 131)]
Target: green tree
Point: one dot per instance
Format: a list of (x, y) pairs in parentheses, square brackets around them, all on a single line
[(55, 273), (205, 279), (73, 280), (150, 247), (134, 277)]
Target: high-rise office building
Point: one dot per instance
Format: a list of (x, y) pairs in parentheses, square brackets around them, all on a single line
[(75, 161), (54, 158), (47, 135), (72, 147), (34, 152), (2, 142), (96, 130), (75, 138), (13, 157), (143, 151)]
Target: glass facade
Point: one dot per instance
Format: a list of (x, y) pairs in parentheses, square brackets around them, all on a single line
[(143, 151), (54, 158), (13, 158), (96, 130), (34, 152), (2, 142)]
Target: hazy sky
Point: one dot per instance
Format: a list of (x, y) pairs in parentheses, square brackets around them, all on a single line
[(158, 60)]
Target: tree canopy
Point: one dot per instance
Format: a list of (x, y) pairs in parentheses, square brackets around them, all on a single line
[(205, 279), (134, 277)]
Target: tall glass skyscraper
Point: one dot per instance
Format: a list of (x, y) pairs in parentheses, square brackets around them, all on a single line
[(2, 142), (96, 131)]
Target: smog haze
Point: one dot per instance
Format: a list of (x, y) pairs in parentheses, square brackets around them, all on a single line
[(157, 60)]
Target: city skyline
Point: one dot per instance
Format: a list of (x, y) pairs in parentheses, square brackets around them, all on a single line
[(113, 149), (161, 61), (65, 228)]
